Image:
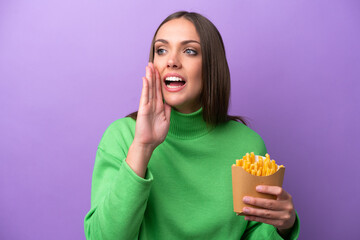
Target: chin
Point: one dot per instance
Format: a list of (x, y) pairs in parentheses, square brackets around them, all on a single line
[(174, 104), (173, 100)]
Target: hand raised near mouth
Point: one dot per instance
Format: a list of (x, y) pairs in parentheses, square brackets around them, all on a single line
[(152, 124), (153, 117)]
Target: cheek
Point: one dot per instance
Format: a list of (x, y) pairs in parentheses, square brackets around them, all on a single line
[(158, 62), (159, 66), (199, 68), (199, 76), (197, 86)]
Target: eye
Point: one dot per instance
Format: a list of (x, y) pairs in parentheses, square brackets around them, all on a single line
[(191, 51), (160, 51)]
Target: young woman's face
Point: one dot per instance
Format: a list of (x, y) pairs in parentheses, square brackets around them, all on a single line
[(178, 59)]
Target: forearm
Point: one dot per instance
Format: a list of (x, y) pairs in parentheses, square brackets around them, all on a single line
[(138, 158), (119, 211)]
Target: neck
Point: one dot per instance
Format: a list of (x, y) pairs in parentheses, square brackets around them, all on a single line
[(188, 125), (188, 110)]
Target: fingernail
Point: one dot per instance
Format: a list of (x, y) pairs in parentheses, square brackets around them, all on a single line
[(246, 210), (259, 188), (246, 218), (246, 199)]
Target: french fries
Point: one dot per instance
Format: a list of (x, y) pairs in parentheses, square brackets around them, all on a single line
[(258, 166)]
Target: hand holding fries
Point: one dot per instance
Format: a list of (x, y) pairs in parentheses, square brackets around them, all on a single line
[(251, 171), (279, 212)]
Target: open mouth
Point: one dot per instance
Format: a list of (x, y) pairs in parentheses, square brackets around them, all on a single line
[(174, 82)]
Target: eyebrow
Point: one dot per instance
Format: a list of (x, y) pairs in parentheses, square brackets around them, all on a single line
[(182, 43)]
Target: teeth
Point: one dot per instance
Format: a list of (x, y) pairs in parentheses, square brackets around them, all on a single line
[(177, 79), (169, 86)]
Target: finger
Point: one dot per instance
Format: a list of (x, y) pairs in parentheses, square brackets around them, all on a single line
[(144, 99), (152, 79), (167, 111), (158, 87), (273, 190), (264, 213), (263, 203), (151, 65), (149, 78)]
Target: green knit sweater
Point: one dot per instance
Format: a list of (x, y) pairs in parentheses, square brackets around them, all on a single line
[(187, 190)]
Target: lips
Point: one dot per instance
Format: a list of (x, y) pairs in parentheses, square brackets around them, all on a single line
[(174, 82)]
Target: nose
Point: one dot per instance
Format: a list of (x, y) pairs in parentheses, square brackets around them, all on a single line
[(173, 61)]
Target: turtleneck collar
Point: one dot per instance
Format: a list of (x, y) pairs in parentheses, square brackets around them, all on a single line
[(188, 126)]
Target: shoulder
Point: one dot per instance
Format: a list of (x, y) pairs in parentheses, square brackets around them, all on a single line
[(122, 124), (239, 129), (121, 130), (237, 132)]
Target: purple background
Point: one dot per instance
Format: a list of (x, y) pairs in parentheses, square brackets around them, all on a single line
[(70, 68)]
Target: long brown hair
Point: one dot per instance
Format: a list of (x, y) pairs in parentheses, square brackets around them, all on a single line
[(215, 93)]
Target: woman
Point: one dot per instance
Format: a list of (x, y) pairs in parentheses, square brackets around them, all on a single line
[(167, 174)]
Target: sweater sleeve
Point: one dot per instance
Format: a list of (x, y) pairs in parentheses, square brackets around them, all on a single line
[(118, 195), (257, 230)]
